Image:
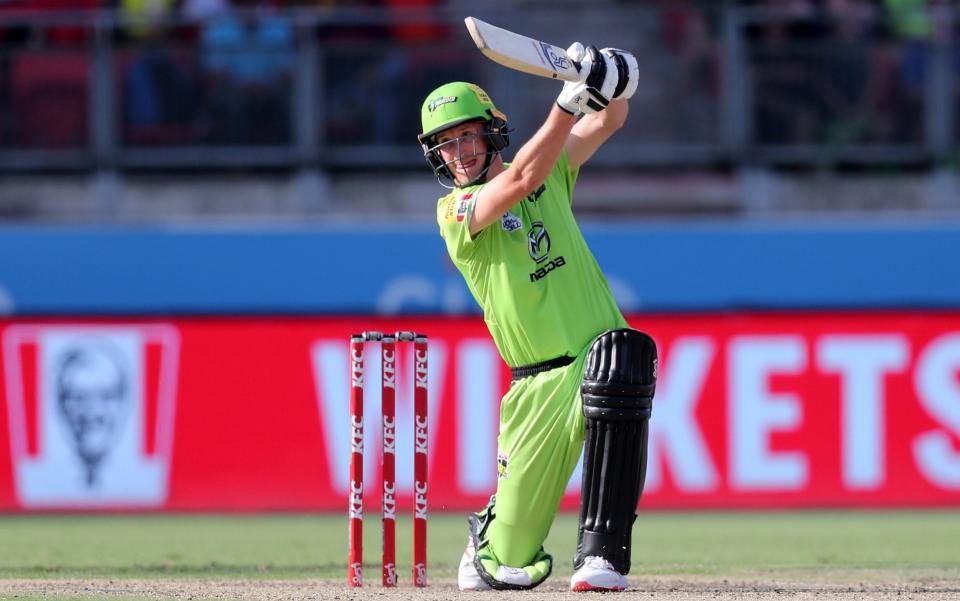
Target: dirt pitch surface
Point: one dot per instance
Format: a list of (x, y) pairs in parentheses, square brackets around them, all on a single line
[(661, 589)]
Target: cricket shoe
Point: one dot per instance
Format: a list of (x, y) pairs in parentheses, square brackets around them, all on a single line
[(597, 574), (467, 577)]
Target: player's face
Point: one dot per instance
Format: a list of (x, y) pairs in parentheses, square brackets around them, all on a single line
[(463, 148)]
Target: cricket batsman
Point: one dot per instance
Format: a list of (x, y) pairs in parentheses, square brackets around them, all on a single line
[(583, 380)]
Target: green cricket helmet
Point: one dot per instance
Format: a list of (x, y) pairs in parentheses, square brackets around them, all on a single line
[(453, 104)]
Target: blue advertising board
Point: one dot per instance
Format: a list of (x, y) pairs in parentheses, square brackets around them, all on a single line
[(670, 266)]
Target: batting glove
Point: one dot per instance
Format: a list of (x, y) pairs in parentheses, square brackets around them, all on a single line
[(599, 78), (628, 72)]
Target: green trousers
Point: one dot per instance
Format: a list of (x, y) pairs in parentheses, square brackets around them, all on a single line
[(540, 441)]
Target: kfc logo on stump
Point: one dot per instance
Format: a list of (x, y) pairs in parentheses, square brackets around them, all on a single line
[(91, 413)]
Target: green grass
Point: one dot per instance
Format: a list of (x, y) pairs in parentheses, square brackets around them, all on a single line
[(818, 545), (844, 546)]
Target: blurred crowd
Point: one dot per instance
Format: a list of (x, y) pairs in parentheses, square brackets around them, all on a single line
[(202, 71), (225, 71), (840, 71)]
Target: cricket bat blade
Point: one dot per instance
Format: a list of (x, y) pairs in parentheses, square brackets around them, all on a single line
[(520, 52)]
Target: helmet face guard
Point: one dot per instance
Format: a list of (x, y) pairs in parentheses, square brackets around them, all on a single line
[(465, 148), (454, 104)]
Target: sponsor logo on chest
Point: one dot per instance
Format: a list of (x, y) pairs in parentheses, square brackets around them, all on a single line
[(538, 244)]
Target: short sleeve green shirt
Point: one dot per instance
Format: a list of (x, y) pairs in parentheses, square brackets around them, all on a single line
[(541, 290)]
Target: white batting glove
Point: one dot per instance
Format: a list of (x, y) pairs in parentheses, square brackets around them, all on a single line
[(599, 78), (627, 69), (582, 58)]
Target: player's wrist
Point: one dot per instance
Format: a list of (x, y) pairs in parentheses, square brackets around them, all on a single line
[(566, 109)]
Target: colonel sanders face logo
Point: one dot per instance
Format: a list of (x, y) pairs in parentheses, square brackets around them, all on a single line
[(91, 413), (93, 399)]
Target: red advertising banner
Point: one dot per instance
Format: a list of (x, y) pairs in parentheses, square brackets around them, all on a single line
[(751, 410)]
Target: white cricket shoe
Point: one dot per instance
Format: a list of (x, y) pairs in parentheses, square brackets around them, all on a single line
[(597, 574), (467, 577), (516, 576)]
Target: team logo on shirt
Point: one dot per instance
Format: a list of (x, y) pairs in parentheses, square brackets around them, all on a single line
[(501, 465), (464, 206), (510, 222), (538, 243)]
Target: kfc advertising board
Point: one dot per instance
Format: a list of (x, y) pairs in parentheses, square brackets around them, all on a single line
[(752, 410)]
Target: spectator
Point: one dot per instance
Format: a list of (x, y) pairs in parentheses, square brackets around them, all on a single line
[(399, 58), (145, 19), (693, 90), (200, 11), (25, 41), (248, 60), (783, 65), (362, 105), (854, 76), (914, 31), (158, 90)]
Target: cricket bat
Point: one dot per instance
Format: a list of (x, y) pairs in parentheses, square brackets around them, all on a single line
[(520, 52)]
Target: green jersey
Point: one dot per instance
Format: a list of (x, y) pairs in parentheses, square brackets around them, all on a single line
[(542, 293)]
